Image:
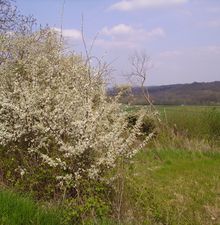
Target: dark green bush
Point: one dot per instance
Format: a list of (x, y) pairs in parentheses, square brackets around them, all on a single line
[(148, 125)]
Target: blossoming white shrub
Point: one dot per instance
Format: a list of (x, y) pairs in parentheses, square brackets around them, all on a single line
[(54, 109)]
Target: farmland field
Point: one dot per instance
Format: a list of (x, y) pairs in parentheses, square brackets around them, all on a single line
[(201, 122)]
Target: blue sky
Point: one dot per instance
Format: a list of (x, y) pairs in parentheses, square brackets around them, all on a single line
[(182, 37)]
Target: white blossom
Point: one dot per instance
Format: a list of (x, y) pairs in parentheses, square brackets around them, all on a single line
[(53, 105)]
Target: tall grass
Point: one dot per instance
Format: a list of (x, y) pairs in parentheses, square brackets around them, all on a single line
[(176, 180), (17, 210), (193, 121), (187, 127)]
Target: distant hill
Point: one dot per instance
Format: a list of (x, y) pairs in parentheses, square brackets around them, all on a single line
[(176, 94)]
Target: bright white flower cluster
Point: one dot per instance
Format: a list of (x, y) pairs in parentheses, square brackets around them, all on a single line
[(54, 109)]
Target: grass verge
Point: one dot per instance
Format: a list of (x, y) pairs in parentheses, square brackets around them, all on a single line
[(17, 210), (173, 187)]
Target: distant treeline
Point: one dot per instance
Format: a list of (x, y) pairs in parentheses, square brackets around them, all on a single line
[(204, 93)]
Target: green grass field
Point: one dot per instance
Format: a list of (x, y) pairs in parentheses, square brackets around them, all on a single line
[(202, 122), (197, 121), (175, 187)]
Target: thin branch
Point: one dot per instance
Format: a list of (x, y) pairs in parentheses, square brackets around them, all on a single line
[(61, 20), (140, 66)]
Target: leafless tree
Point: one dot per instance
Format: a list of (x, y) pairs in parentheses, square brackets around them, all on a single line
[(12, 21), (141, 64)]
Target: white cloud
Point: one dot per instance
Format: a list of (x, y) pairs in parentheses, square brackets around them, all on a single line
[(73, 34), (127, 32), (130, 5), (120, 29), (170, 54), (123, 35), (157, 32)]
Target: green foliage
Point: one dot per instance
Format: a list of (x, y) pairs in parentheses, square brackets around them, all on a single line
[(89, 206), (212, 116), (40, 183)]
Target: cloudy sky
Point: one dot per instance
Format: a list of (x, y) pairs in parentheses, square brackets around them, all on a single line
[(182, 37)]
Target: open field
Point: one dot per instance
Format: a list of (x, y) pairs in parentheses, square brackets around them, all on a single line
[(202, 122)]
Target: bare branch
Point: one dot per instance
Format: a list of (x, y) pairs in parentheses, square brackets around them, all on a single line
[(61, 21), (141, 64), (12, 21)]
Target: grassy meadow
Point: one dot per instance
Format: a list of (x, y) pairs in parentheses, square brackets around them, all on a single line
[(176, 180)]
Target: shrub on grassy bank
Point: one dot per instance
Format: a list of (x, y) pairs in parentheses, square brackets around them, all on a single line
[(58, 129), (161, 186)]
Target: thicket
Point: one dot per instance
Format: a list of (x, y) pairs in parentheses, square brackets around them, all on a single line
[(60, 134)]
